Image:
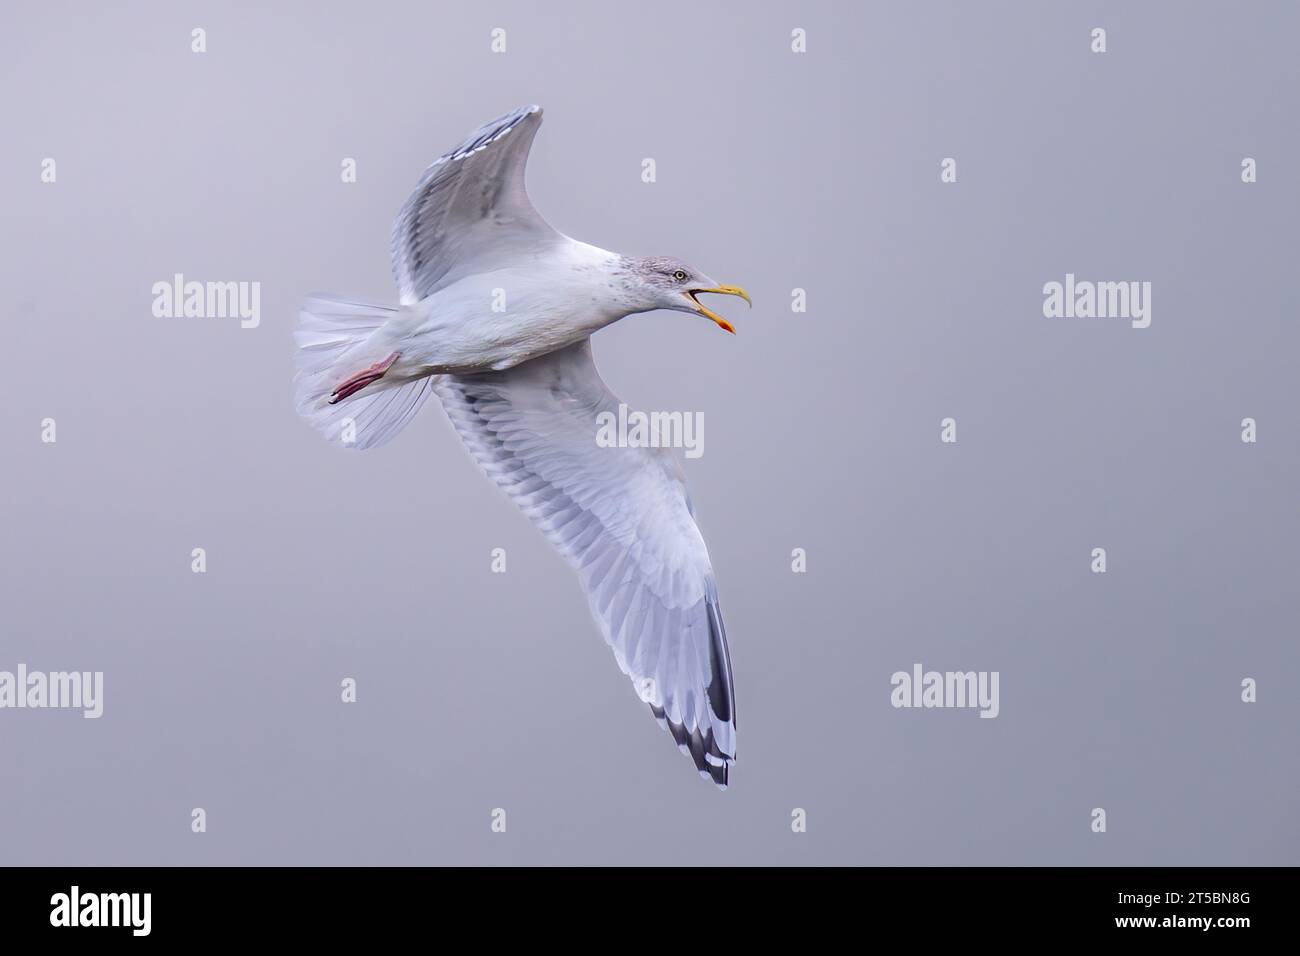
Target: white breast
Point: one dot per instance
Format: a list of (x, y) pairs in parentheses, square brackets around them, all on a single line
[(495, 320)]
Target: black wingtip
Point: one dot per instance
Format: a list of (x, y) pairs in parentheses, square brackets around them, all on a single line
[(703, 749)]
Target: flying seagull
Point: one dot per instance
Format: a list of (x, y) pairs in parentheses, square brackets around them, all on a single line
[(495, 316)]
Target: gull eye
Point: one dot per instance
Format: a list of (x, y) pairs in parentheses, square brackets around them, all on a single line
[(679, 275)]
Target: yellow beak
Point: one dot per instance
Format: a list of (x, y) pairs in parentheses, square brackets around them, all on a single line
[(720, 290)]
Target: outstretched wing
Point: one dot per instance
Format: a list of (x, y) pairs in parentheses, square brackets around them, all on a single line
[(622, 518), (470, 212)]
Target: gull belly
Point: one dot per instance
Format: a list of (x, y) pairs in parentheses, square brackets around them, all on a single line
[(492, 321)]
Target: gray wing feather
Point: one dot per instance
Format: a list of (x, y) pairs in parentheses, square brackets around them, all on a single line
[(622, 518), (470, 211)]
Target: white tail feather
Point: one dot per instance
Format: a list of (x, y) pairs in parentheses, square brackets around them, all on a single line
[(333, 339)]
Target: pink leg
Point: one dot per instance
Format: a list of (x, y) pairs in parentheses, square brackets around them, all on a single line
[(363, 378)]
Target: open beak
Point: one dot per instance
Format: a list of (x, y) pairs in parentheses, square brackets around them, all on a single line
[(719, 290)]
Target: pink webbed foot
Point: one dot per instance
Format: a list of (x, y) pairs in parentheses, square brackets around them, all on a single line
[(363, 378)]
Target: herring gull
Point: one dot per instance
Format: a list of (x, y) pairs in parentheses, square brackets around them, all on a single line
[(496, 309)]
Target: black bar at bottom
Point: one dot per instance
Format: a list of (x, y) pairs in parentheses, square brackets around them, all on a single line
[(372, 904)]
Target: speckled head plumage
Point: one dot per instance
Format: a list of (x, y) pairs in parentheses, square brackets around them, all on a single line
[(665, 282)]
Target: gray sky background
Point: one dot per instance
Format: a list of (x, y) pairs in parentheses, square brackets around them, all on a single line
[(775, 171)]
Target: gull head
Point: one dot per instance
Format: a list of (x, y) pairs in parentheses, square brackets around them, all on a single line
[(662, 282)]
